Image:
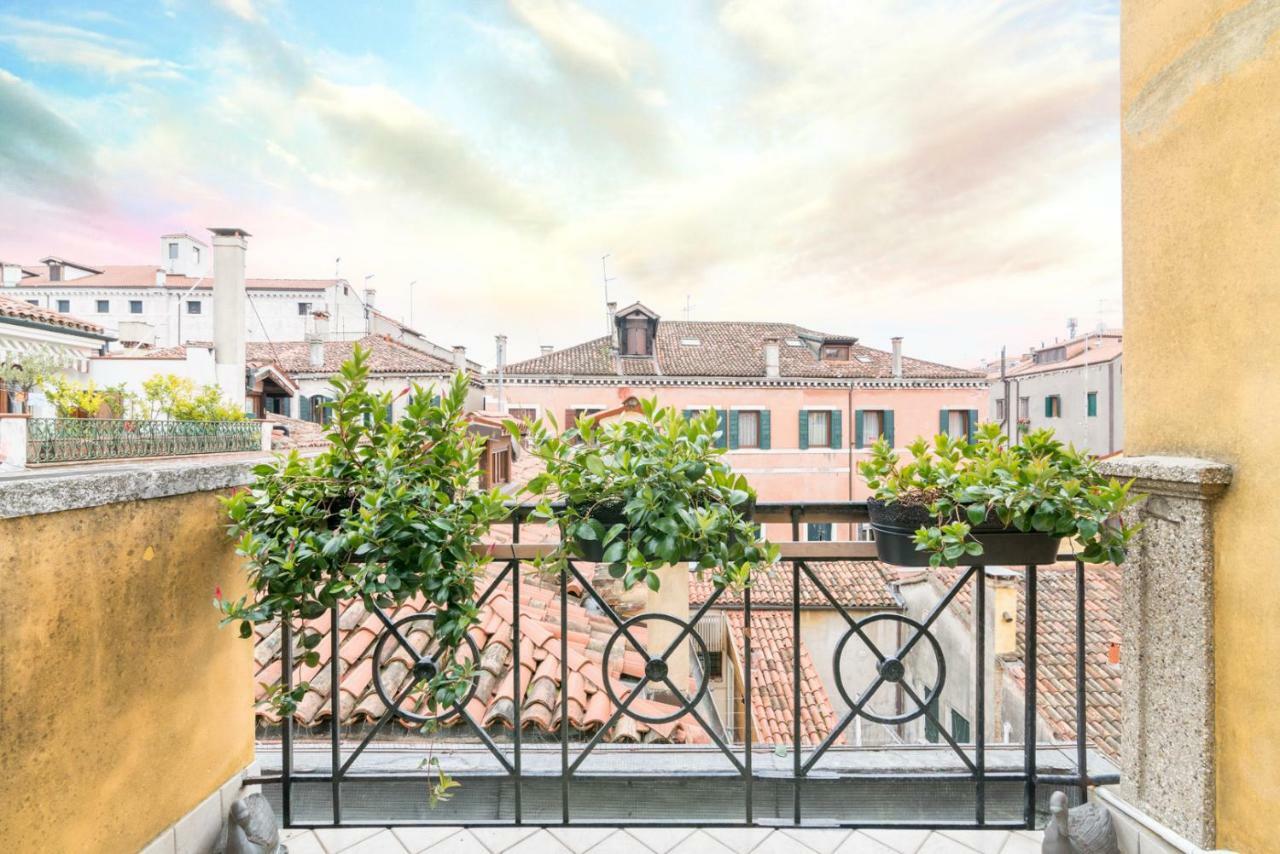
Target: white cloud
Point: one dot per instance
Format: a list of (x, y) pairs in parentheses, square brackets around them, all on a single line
[(54, 44)]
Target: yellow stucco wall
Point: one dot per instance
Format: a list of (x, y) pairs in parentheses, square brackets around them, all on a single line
[(1202, 352), (122, 705)]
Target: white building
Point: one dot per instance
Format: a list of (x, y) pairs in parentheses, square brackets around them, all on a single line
[(27, 330), (171, 303)]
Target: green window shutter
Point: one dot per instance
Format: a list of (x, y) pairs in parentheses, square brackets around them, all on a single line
[(859, 437), (959, 727), (765, 438), (286, 406), (733, 429), (390, 414), (836, 438), (435, 401), (888, 427), (943, 416), (304, 408), (1093, 404), (723, 440), (973, 423), (1048, 407), (688, 414), (804, 429)]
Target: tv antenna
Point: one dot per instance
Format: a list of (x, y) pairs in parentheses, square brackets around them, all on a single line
[(688, 307), (606, 279)]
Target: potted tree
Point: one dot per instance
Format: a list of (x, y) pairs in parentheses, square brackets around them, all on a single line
[(984, 501), (645, 493), (387, 511)]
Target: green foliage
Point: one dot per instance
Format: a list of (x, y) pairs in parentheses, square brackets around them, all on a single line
[(385, 512), (1038, 485), (666, 484), (73, 399), (177, 398), (35, 369)]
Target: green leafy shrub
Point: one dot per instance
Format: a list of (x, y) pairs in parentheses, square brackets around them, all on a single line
[(386, 511), (1038, 485), (178, 398), (650, 492), (73, 399)]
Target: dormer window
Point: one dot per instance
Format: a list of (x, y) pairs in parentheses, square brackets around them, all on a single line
[(636, 330), (55, 272), (835, 352)]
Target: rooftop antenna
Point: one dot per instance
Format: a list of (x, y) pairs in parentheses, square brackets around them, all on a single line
[(337, 268), (688, 307), (411, 284), (1072, 325), (606, 279)]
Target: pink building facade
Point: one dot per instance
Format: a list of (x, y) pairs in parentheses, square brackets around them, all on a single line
[(799, 409)]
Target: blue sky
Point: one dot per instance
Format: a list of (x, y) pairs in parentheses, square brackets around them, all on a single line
[(947, 171)]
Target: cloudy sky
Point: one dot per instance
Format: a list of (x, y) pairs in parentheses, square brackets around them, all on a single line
[(946, 170)]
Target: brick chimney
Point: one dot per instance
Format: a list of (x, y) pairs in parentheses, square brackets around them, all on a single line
[(772, 357), (897, 357), (229, 298)]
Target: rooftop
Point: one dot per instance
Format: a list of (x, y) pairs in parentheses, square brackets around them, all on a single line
[(23, 310), (144, 276)]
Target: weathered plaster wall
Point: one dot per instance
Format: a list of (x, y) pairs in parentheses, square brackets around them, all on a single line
[(1202, 303), (122, 704)]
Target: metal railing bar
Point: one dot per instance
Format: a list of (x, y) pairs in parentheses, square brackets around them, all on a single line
[(715, 738), (980, 694), (493, 585), (887, 776), (387, 715), (1029, 703), (746, 698), (486, 740), (335, 712), (853, 624), (515, 675), (797, 744), (688, 627), (395, 632), (599, 734), (935, 613), (286, 760), (604, 606), (681, 825), (564, 687), (765, 511), (1082, 754), (942, 731)]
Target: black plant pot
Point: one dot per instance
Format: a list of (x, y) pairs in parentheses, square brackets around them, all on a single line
[(895, 526), (612, 514)]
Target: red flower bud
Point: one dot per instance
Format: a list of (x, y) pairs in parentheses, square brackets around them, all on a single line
[(217, 593)]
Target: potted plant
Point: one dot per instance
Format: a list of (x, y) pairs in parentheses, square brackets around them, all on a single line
[(984, 501), (387, 511), (644, 493)]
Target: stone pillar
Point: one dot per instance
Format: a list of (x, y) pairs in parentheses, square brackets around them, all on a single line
[(229, 298), (13, 440), (672, 597), (1167, 648)]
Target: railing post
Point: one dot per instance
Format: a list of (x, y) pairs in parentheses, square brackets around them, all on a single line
[(13, 440), (265, 427)]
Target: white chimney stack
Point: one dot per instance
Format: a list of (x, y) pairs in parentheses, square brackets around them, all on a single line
[(460, 358), (318, 335), (229, 297), (897, 357), (612, 308), (160, 278), (772, 358), (546, 349), (369, 294)]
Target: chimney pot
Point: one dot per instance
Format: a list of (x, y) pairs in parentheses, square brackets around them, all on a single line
[(772, 357), (897, 357), (546, 349), (160, 278), (460, 357)]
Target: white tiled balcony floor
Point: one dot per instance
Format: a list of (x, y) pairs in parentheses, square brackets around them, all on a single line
[(579, 840)]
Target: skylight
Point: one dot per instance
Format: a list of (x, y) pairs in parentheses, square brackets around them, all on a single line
[(690, 342), (794, 342), (862, 358)]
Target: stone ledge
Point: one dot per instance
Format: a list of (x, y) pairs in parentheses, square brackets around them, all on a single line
[(1139, 832), (54, 490), (1160, 475)]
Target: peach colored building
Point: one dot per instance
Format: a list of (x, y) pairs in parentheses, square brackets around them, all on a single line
[(799, 408)]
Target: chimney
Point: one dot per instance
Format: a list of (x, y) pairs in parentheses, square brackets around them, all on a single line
[(771, 357), (369, 294), (160, 278), (614, 343), (316, 352), (229, 300), (460, 358), (546, 349), (316, 338), (10, 275), (897, 357), (1072, 326)]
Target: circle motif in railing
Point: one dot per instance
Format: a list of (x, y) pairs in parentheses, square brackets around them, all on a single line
[(657, 668), (425, 666), (892, 670)]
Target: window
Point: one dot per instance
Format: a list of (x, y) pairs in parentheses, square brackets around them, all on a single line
[(104, 306), (521, 414), (958, 422), (193, 306), (572, 414), (713, 664), (835, 352), (960, 728), (748, 429), (819, 532), (1024, 408), (34, 302), (1092, 400), (819, 429), (135, 306), (304, 308), (636, 337), (195, 253), (870, 424), (999, 408), (864, 533), (55, 272), (64, 305), (1053, 406), (499, 468), (173, 251)]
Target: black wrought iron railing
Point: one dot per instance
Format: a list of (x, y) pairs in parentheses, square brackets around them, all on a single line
[(65, 440), (564, 769)]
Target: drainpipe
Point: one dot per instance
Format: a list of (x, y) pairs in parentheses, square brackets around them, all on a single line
[(229, 246)]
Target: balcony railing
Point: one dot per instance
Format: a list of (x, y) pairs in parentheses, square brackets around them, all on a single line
[(66, 440), (569, 776)]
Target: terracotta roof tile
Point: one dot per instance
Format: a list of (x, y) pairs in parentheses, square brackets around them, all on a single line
[(853, 583), (729, 349), (772, 687), (386, 356), (23, 310)]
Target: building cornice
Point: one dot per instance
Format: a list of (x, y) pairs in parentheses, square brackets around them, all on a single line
[(741, 382)]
